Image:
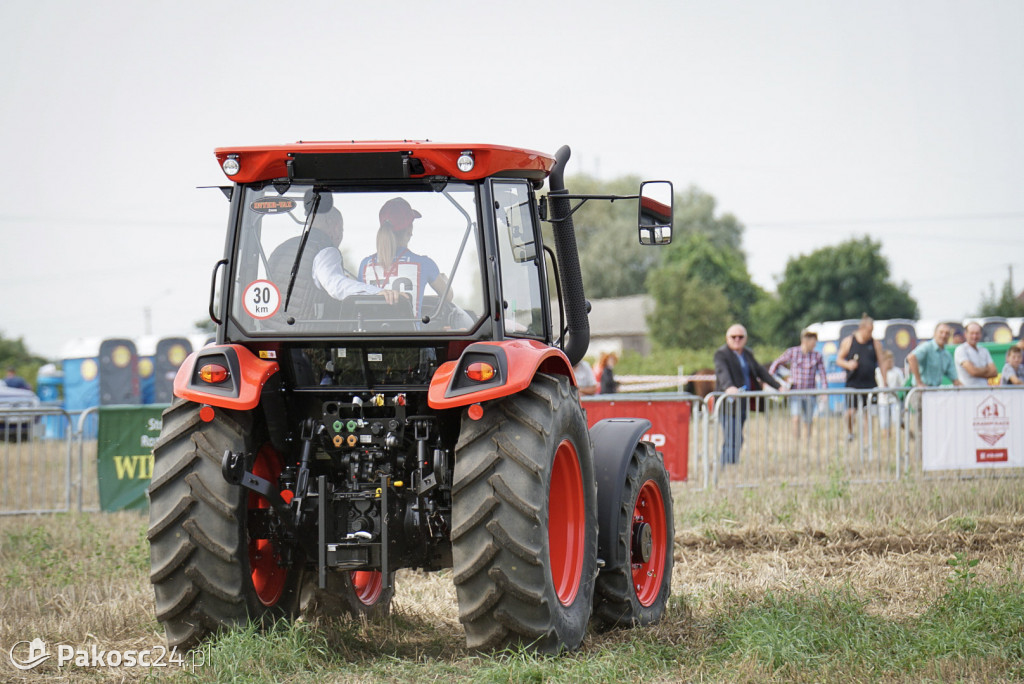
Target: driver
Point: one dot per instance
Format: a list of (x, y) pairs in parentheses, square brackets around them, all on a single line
[(395, 268), (321, 276)]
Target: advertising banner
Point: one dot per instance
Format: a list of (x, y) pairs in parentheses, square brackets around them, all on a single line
[(670, 426), (124, 459), (971, 430)]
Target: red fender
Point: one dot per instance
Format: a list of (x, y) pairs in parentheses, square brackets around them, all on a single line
[(247, 375), (515, 363)]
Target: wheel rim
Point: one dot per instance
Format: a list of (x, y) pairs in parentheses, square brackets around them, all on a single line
[(268, 578), (368, 585), (566, 523), (649, 544)]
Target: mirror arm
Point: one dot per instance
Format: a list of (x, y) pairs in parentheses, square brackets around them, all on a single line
[(583, 198)]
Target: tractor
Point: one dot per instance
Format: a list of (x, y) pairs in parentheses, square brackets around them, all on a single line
[(391, 387)]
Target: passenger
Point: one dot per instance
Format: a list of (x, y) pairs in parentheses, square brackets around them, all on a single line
[(393, 266)]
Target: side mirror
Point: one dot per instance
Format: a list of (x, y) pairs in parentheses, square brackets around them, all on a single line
[(654, 218)]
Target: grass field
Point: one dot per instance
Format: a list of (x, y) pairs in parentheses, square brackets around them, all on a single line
[(910, 581)]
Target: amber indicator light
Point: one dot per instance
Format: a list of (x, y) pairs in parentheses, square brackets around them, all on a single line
[(213, 373), (480, 371)]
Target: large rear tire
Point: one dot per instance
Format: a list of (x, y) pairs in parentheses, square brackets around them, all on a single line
[(634, 586), (524, 521), (207, 572)]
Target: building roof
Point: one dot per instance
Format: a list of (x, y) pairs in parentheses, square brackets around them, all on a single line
[(619, 316)]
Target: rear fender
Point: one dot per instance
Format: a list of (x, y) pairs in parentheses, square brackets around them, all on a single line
[(515, 363), (247, 375), (614, 441)]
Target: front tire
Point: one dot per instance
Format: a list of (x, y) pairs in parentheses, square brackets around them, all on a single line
[(524, 521), (208, 572)]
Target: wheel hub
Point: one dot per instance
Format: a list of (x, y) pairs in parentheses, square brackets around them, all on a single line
[(643, 541)]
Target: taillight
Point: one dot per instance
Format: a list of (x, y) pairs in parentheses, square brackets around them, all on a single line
[(480, 371), (213, 373)]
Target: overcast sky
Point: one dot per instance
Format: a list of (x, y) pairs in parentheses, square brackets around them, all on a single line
[(810, 121)]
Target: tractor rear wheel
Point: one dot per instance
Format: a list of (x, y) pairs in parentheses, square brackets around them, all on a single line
[(634, 585), (524, 520), (208, 571)]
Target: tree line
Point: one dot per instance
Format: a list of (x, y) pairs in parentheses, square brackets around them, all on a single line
[(700, 283)]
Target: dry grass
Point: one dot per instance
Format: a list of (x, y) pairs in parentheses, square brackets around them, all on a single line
[(81, 579)]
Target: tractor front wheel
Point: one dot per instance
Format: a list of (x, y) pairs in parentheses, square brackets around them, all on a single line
[(524, 514)]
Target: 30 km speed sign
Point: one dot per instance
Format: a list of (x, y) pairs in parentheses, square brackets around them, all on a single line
[(261, 299)]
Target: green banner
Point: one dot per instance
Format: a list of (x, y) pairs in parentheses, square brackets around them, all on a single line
[(124, 460)]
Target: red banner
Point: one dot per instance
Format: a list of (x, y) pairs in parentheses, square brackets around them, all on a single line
[(670, 426)]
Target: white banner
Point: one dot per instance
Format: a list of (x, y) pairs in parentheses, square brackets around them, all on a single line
[(969, 430)]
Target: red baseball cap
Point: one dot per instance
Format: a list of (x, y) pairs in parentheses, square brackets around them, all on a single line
[(398, 214)]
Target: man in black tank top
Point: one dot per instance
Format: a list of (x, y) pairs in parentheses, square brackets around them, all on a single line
[(858, 355)]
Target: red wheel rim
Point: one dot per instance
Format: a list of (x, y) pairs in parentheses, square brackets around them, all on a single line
[(649, 511), (268, 578), (368, 585), (566, 523)]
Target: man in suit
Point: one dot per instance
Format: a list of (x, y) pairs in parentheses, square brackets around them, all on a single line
[(736, 370)]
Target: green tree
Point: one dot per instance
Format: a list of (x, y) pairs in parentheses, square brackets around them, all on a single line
[(688, 312), (1006, 304), (714, 264), (14, 354), (835, 283)]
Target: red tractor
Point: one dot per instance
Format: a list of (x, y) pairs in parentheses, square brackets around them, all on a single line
[(390, 389)]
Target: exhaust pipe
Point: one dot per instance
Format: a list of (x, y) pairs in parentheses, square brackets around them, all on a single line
[(578, 324)]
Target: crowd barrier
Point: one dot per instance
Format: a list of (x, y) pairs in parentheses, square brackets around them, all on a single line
[(746, 439)]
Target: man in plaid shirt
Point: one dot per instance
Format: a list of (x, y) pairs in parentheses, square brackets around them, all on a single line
[(804, 365)]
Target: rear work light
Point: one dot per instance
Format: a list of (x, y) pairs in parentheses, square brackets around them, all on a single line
[(480, 371), (213, 373), (231, 165)]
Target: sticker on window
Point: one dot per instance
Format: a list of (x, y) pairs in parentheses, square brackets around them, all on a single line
[(272, 205), (261, 299)]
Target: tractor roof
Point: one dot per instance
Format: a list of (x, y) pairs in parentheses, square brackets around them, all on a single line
[(381, 160)]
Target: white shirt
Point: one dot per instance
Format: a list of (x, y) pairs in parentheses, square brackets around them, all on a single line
[(894, 378), (329, 275), (978, 356)]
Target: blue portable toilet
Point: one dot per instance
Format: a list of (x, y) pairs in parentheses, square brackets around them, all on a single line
[(146, 349), (80, 362), (50, 387)]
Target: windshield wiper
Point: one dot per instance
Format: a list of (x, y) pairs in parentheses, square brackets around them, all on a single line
[(302, 245)]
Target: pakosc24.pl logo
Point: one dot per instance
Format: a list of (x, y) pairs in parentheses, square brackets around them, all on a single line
[(26, 655)]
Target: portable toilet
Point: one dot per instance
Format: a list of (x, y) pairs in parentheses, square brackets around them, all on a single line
[(119, 373), (146, 349), (80, 362), (1016, 326), (50, 387), (897, 335), (170, 354)]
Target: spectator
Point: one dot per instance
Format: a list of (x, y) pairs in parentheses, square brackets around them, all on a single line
[(805, 365), (1011, 374), (736, 370), (858, 355), (930, 361), (585, 380), (889, 403), (16, 381), (606, 362), (974, 365)]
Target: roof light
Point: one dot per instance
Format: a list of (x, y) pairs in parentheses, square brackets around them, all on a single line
[(480, 371), (213, 373), (231, 165), (465, 162)]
